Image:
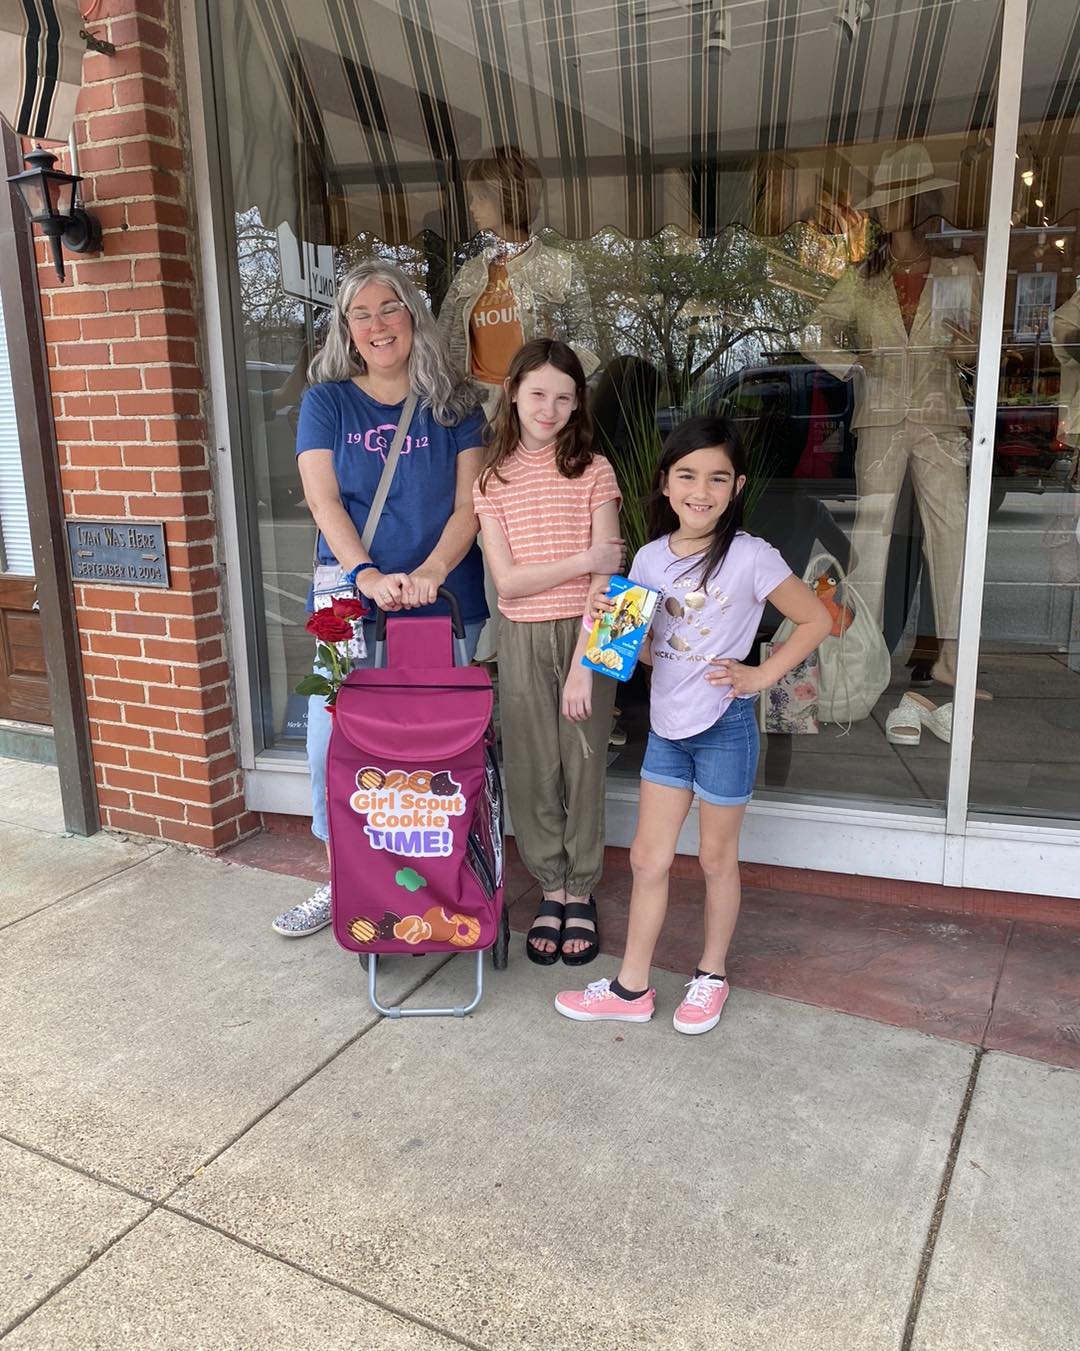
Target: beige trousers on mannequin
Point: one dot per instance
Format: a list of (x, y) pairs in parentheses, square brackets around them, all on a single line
[(937, 458)]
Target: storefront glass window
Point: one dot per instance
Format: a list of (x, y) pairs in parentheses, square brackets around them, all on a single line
[(1026, 752), (758, 211)]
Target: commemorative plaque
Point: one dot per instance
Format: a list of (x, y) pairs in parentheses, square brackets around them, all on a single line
[(118, 553)]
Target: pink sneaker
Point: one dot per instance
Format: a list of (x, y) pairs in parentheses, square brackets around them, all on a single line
[(700, 1010), (596, 1003)]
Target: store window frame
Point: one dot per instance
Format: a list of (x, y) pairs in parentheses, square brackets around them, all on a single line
[(229, 423), (926, 844), (984, 422)]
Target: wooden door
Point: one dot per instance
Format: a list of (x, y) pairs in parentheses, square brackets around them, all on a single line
[(24, 689)]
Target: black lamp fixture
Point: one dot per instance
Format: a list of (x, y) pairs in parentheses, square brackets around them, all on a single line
[(51, 198)]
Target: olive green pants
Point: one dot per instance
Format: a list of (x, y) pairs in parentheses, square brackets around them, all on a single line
[(555, 769)]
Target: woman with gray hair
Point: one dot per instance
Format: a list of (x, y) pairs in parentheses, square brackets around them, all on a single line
[(381, 352)]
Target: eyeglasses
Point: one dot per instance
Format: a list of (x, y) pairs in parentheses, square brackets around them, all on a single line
[(390, 313)]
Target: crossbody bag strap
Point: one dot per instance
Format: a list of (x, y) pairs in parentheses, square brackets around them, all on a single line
[(382, 491), (387, 477)]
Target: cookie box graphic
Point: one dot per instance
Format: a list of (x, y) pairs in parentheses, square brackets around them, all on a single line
[(617, 635)]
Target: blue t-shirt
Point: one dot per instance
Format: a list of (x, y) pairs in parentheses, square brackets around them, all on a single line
[(339, 416)]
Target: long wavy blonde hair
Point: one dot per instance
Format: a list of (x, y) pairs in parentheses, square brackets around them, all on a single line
[(450, 397)]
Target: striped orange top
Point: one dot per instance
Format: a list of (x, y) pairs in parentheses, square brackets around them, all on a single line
[(545, 517)]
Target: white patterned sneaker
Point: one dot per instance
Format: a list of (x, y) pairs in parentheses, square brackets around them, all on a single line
[(702, 1005), (306, 918)]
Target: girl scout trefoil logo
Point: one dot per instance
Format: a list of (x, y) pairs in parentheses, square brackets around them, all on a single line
[(408, 813)]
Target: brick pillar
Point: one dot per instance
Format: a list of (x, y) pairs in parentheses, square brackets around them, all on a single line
[(128, 392)]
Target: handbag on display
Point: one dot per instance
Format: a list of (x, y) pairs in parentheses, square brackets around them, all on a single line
[(329, 580), (854, 668), (790, 706)]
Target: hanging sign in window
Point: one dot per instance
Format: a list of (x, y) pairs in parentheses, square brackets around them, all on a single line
[(307, 270)]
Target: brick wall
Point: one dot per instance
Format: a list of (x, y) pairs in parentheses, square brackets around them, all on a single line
[(123, 347)]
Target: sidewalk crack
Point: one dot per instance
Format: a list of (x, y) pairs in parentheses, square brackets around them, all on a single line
[(323, 1279), (997, 983), (376, 1019), (939, 1206), (89, 886), (163, 1204), (74, 1275)]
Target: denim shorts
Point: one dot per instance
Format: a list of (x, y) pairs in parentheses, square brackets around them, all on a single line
[(319, 724), (717, 764)]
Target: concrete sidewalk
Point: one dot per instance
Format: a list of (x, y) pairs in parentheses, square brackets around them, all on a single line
[(208, 1140)]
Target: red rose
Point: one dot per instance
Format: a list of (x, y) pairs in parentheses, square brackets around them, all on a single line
[(348, 607), (328, 627)]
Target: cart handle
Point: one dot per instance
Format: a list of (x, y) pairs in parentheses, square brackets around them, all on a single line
[(445, 594)]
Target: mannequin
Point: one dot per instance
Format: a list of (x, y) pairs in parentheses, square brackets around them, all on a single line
[(1065, 336), (517, 287), (1064, 529), (901, 321)]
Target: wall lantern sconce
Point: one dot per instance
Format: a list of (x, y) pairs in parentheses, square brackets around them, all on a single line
[(51, 198)]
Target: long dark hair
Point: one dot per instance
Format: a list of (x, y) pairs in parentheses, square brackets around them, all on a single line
[(573, 446), (700, 433)]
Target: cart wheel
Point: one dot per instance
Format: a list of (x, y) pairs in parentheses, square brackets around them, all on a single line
[(363, 958), (500, 952)]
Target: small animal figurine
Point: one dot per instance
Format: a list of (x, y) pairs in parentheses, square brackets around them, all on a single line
[(827, 588)]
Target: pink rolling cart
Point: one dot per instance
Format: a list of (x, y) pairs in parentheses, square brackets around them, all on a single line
[(414, 800)]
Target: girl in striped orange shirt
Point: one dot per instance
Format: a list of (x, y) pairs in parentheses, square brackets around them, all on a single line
[(549, 515)]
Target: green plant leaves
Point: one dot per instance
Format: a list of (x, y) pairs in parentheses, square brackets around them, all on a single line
[(315, 684)]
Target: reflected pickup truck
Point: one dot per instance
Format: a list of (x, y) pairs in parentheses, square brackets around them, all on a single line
[(800, 417)]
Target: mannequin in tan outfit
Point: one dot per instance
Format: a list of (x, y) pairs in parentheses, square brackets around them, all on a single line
[(516, 288), (902, 321)]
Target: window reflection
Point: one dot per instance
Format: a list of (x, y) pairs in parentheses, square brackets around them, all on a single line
[(791, 234), (1026, 753)]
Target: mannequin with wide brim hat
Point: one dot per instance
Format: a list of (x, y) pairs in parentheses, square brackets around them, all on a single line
[(900, 324), (903, 175)]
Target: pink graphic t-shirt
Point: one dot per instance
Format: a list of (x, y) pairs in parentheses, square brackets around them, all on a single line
[(692, 626)]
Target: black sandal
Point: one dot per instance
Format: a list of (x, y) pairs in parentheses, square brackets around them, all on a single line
[(547, 910), (581, 910)]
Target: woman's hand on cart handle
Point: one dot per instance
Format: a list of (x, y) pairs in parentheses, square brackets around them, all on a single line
[(386, 589), (422, 585)]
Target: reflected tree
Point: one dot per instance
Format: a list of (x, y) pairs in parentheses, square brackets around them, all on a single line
[(697, 308)]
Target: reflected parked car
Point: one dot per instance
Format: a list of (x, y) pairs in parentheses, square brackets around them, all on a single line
[(799, 418)]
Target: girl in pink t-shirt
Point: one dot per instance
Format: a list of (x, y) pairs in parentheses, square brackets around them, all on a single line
[(549, 513), (703, 740)]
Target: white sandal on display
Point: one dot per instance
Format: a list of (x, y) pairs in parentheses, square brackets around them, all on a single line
[(903, 726)]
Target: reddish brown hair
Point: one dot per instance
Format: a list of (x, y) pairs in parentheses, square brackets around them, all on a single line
[(573, 446)]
